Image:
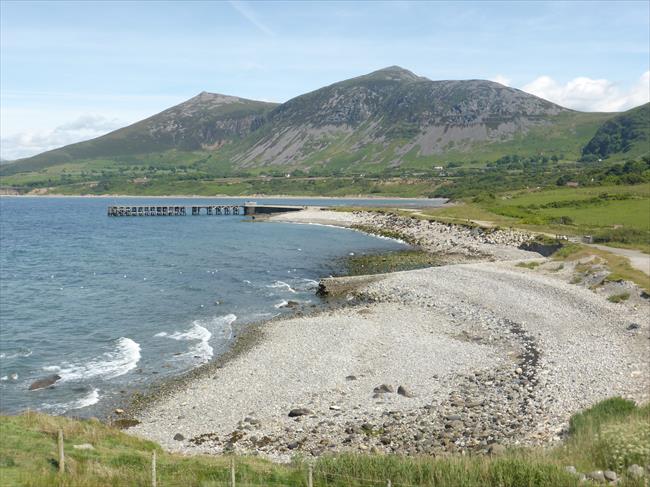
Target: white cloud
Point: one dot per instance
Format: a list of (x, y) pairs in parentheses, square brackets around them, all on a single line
[(499, 78), (593, 95), (28, 143)]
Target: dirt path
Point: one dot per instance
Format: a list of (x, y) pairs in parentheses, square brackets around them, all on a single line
[(638, 259)]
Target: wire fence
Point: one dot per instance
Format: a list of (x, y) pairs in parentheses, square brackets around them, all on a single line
[(230, 475)]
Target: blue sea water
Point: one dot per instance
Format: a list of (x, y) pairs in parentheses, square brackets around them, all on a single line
[(112, 304)]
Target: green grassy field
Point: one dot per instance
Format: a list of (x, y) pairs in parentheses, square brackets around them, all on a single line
[(616, 215), (612, 435)]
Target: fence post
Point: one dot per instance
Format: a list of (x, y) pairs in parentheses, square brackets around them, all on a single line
[(232, 472), (310, 477), (153, 469), (61, 453)]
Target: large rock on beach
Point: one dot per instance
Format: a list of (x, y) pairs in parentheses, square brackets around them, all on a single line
[(383, 389), (294, 413), (44, 382), (403, 391)]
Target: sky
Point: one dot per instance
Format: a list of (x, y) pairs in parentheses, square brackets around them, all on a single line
[(70, 71)]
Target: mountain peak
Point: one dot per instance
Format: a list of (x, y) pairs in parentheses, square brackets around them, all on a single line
[(394, 73)]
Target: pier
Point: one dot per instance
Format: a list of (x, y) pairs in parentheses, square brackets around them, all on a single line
[(248, 209)]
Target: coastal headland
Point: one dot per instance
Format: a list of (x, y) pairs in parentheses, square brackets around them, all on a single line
[(496, 347)]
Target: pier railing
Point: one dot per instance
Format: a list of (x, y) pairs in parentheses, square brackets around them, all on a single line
[(174, 210), (195, 210)]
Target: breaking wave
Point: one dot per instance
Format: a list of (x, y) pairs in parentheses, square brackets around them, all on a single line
[(282, 284), (21, 352), (88, 400), (108, 365), (200, 332)]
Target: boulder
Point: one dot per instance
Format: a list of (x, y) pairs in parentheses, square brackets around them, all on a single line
[(635, 471), (596, 475), (44, 382), (610, 475), (179, 437), (383, 389), (403, 391), (294, 413)]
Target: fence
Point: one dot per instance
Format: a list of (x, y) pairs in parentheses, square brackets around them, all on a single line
[(303, 475)]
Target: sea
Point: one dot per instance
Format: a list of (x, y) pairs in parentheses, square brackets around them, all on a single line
[(114, 304)]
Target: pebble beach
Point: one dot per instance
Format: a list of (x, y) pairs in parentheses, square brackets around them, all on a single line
[(475, 355)]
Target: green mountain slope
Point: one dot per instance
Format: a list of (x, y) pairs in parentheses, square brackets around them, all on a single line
[(626, 134), (379, 118), (203, 122), (370, 124)]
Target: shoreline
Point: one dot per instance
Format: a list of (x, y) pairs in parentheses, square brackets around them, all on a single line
[(502, 361), (194, 196)]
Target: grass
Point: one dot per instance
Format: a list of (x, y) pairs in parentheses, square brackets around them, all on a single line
[(529, 265), (619, 266), (618, 298), (611, 435), (614, 215)]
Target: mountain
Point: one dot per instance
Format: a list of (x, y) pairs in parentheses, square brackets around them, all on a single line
[(626, 134), (204, 122), (386, 119), (395, 105)]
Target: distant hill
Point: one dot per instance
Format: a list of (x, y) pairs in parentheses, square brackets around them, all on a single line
[(626, 134), (384, 120), (204, 122)]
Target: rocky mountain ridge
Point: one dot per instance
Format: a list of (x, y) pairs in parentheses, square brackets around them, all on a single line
[(387, 118)]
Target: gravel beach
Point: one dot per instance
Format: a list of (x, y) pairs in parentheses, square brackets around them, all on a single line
[(462, 357)]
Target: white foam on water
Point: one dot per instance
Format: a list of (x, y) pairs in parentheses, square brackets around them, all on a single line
[(88, 400), (282, 284), (111, 364), (200, 331), (25, 352), (225, 322), (281, 304)]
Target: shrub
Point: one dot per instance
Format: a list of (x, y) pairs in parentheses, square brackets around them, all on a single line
[(625, 443)]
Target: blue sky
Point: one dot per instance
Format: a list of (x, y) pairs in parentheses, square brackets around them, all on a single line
[(73, 70)]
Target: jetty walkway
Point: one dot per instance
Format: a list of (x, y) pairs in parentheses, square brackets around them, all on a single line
[(248, 209)]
